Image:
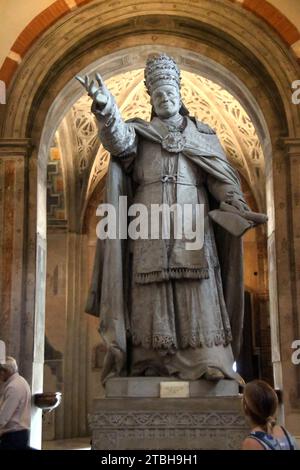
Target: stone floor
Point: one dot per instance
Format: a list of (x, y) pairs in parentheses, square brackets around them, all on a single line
[(80, 443)]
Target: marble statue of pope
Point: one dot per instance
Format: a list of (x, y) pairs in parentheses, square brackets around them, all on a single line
[(165, 310)]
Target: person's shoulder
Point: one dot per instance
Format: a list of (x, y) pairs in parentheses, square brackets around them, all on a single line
[(251, 443), (282, 433), (21, 381), (202, 127), (278, 431)]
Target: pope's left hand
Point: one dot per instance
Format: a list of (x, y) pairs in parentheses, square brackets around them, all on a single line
[(238, 202)]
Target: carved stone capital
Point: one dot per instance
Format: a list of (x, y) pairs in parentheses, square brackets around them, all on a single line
[(15, 147), (292, 145)]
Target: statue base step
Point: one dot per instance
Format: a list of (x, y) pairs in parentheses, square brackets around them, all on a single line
[(214, 423), (154, 387)]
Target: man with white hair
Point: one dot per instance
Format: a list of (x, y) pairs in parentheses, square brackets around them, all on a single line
[(15, 407)]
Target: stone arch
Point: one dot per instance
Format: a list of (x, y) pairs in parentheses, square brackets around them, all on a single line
[(252, 61), (95, 30), (59, 8)]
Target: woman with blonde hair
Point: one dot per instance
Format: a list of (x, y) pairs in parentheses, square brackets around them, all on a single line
[(260, 404)]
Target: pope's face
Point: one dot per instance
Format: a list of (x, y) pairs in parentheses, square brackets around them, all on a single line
[(166, 101)]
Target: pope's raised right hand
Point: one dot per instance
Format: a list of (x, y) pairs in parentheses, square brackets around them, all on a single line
[(99, 94)]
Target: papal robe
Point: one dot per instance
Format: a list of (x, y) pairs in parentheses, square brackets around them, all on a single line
[(165, 310)]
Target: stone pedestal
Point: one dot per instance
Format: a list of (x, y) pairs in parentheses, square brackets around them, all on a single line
[(150, 387), (203, 422)]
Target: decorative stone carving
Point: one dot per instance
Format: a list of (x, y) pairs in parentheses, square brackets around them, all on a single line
[(85, 131), (215, 423)]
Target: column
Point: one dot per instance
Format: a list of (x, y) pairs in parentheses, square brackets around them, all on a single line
[(287, 248), (76, 356), (22, 263), (14, 155)]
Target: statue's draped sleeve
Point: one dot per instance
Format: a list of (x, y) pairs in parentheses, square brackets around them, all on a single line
[(117, 136), (109, 291)]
